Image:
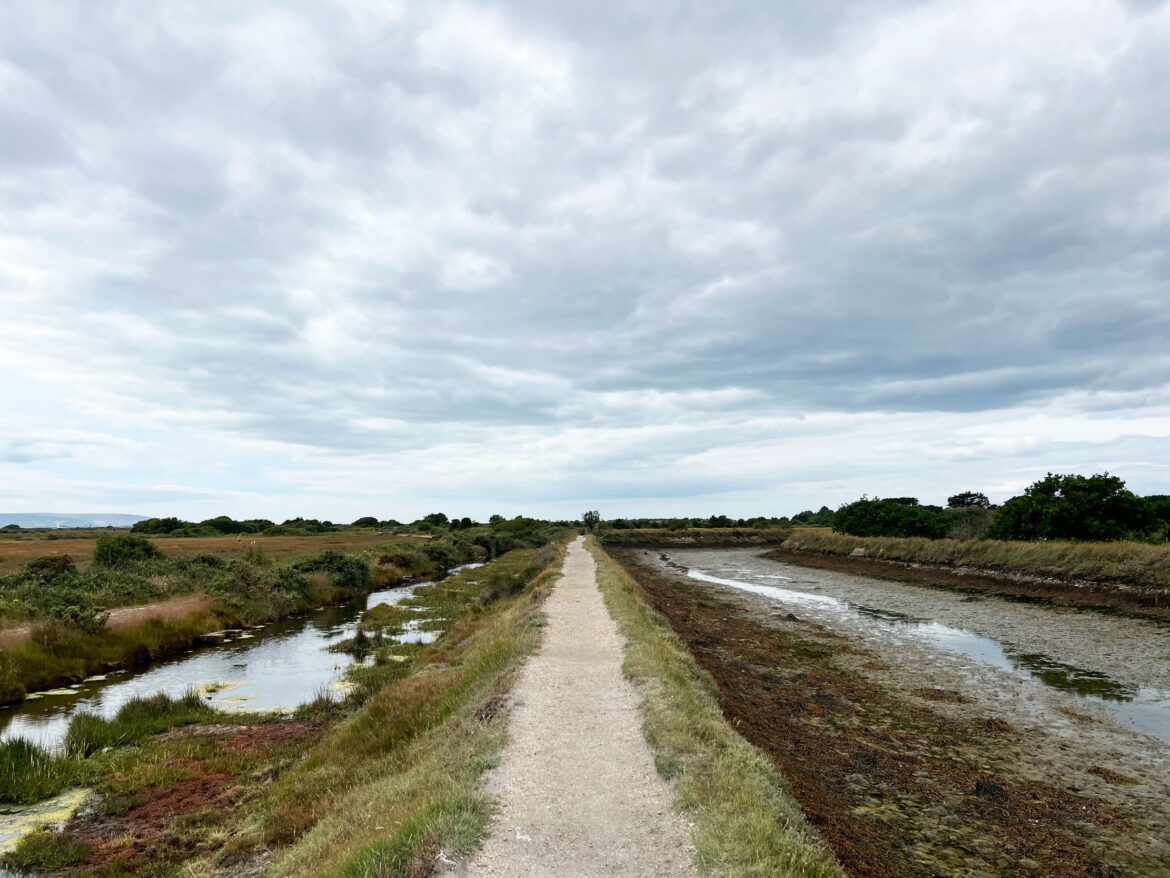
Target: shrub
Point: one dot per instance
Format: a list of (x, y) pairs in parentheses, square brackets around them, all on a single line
[(124, 550), (49, 567)]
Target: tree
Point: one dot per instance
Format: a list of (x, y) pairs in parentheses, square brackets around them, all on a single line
[(1073, 507), (365, 521), (435, 519), (890, 518), (592, 520), (968, 498)]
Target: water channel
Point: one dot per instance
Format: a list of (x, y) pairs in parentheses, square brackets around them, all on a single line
[(1118, 664), (275, 667)]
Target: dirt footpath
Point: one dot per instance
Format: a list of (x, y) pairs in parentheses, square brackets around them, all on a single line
[(126, 617), (577, 788)]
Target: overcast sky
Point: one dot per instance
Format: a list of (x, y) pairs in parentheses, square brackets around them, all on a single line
[(368, 258)]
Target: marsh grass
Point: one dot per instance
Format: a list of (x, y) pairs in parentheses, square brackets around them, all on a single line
[(1125, 562), (30, 773), (45, 851), (385, 791), (746, 822), (137, 718)]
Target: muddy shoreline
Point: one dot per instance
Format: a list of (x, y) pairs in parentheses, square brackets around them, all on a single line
[(1086, 594), (908, 768)]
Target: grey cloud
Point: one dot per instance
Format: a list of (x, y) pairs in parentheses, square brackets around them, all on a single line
[(305, 204)]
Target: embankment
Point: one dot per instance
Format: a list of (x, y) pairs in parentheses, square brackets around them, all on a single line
[(694, 538), (1123, 576)]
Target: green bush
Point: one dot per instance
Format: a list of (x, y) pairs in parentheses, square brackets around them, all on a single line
[(49, 567), (124, 550), (1095, 508), (898, 517)]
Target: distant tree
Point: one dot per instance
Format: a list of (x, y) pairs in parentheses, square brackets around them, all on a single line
[(10, 527), (225, 524), (496, 519), (435, 519), (903, 501), (720, 521), (592, 520), (365, 521), (157, 526), (890, 518), (968, 498), (1074, 507), (1160, 505)]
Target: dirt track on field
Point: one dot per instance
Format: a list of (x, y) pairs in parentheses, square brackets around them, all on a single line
[(126, 617), (578, 791)]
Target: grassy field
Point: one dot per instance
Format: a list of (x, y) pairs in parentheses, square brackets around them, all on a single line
[(16, 551), (746, 822)]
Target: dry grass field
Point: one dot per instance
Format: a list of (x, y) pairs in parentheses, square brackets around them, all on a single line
[(15, 552)]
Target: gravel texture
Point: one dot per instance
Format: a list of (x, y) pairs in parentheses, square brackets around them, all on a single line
[(577, 788)]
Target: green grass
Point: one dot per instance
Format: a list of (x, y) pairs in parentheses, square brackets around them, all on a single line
[(29, 773), (746, 822), (1131, 563), (137, 718), (384, 791), (45, 851)]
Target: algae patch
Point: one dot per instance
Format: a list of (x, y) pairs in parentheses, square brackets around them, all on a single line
[(16, 821)]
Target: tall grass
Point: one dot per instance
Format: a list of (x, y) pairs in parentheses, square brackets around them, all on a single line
[(1130, 563), (137, 718), (29, 773), (746, 822)]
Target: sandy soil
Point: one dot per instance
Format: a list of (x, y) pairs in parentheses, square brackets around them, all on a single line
[(126, 617), (578, 792)]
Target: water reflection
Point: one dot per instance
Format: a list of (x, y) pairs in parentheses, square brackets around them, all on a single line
[(276, 667)]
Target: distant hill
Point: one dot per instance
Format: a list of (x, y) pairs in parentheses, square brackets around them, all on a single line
[(68, 519)]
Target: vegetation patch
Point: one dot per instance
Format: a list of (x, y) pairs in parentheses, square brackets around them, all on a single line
[(29, 773), (746, 821)]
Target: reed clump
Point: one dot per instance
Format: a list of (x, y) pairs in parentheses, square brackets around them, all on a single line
[(30, 773)]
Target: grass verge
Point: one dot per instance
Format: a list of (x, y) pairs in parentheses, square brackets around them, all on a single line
[(746, 821)]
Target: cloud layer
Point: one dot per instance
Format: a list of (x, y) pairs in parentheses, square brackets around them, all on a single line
[(377, 258)]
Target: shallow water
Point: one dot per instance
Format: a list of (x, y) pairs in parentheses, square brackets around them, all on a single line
[(276, 667), (1145, 708)]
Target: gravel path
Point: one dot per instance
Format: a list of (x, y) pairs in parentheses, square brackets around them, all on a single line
[(577, 788)]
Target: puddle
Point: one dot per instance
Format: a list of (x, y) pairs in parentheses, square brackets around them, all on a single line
[(1144, 709)]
